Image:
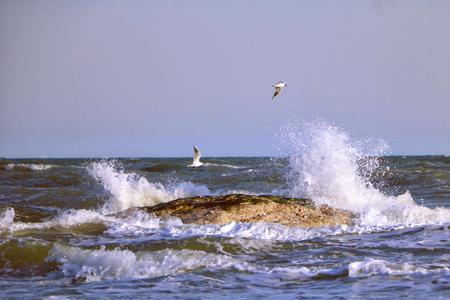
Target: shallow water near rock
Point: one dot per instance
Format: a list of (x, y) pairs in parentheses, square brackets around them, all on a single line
[(62, 233)]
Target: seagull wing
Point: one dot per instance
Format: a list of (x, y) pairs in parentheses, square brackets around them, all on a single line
[(197, 155), (277, 91)]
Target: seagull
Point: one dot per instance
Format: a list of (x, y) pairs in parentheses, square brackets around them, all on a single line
[(196, 161), (278, 87)]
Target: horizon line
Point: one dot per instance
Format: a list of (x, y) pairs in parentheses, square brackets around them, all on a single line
[(190, 157)]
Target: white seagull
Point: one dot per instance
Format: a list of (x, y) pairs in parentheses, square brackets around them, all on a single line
[(278, 87), (196, 161)]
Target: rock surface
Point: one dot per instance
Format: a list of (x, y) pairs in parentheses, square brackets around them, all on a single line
[(249, 208)]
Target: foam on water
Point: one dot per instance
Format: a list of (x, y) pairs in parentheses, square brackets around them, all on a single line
[(116, 264), (32, 167), (66, 219), (131, 190), (6, 218), (140, 224), (372, 266), (224, 166), (119, 264), (146, 226), (359, 269), (329, 167)]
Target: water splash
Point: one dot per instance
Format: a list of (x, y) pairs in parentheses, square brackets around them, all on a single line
[(131, 190), (328, 166)]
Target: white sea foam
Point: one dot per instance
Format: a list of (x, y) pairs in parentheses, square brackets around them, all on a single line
[(359, 269), (372, 266), (75, 217), (119, 264), (32, 167), (330, 168), (131, 190), (142, 225), (6, 218), (116, 264), (149, 227), (224, 166), (66, 219)]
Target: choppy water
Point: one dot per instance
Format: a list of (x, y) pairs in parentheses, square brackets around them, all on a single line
[(57, 237)]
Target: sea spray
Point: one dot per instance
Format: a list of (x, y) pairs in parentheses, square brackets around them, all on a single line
[(328, 166), (132, 190)]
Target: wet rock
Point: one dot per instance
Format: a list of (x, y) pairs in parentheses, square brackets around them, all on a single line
[(249, 208)]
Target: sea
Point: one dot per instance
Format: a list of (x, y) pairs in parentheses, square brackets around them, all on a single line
[(60, 237)]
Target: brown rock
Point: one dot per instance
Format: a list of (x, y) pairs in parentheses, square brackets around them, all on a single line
[(249, 208)]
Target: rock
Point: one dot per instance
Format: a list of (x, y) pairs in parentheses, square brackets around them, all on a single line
[(249, 208)]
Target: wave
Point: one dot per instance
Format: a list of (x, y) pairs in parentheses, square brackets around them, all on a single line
[(143, 225), (326, 165), (131, 190), (6, 218), (29, 167), (139, 224), (360, 269), (24, 257), (224, 166), (122, 264), (66, 219), (148, 227), (117, 264)]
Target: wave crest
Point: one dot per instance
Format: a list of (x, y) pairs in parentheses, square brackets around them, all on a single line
[(117, 264), (29, 167), (131, 190), (331, 168), (359, 269)]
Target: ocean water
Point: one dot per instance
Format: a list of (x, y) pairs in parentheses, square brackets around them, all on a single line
[(59, 238)]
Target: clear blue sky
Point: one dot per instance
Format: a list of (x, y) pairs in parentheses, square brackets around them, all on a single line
[(152, 78)]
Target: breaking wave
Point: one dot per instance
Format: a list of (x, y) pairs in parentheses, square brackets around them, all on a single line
[(30, 167), (328, 166), (121, 264), (359, 269), (66, 219), (139, 224), (117, 264), (131, 190)]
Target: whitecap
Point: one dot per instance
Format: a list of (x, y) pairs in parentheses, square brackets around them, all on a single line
[(31, 167), (117, 264), (6, 218), (331, 168), (131, 190), (359, 269)]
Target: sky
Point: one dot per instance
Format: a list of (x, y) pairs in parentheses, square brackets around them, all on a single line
[(152, 78)]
